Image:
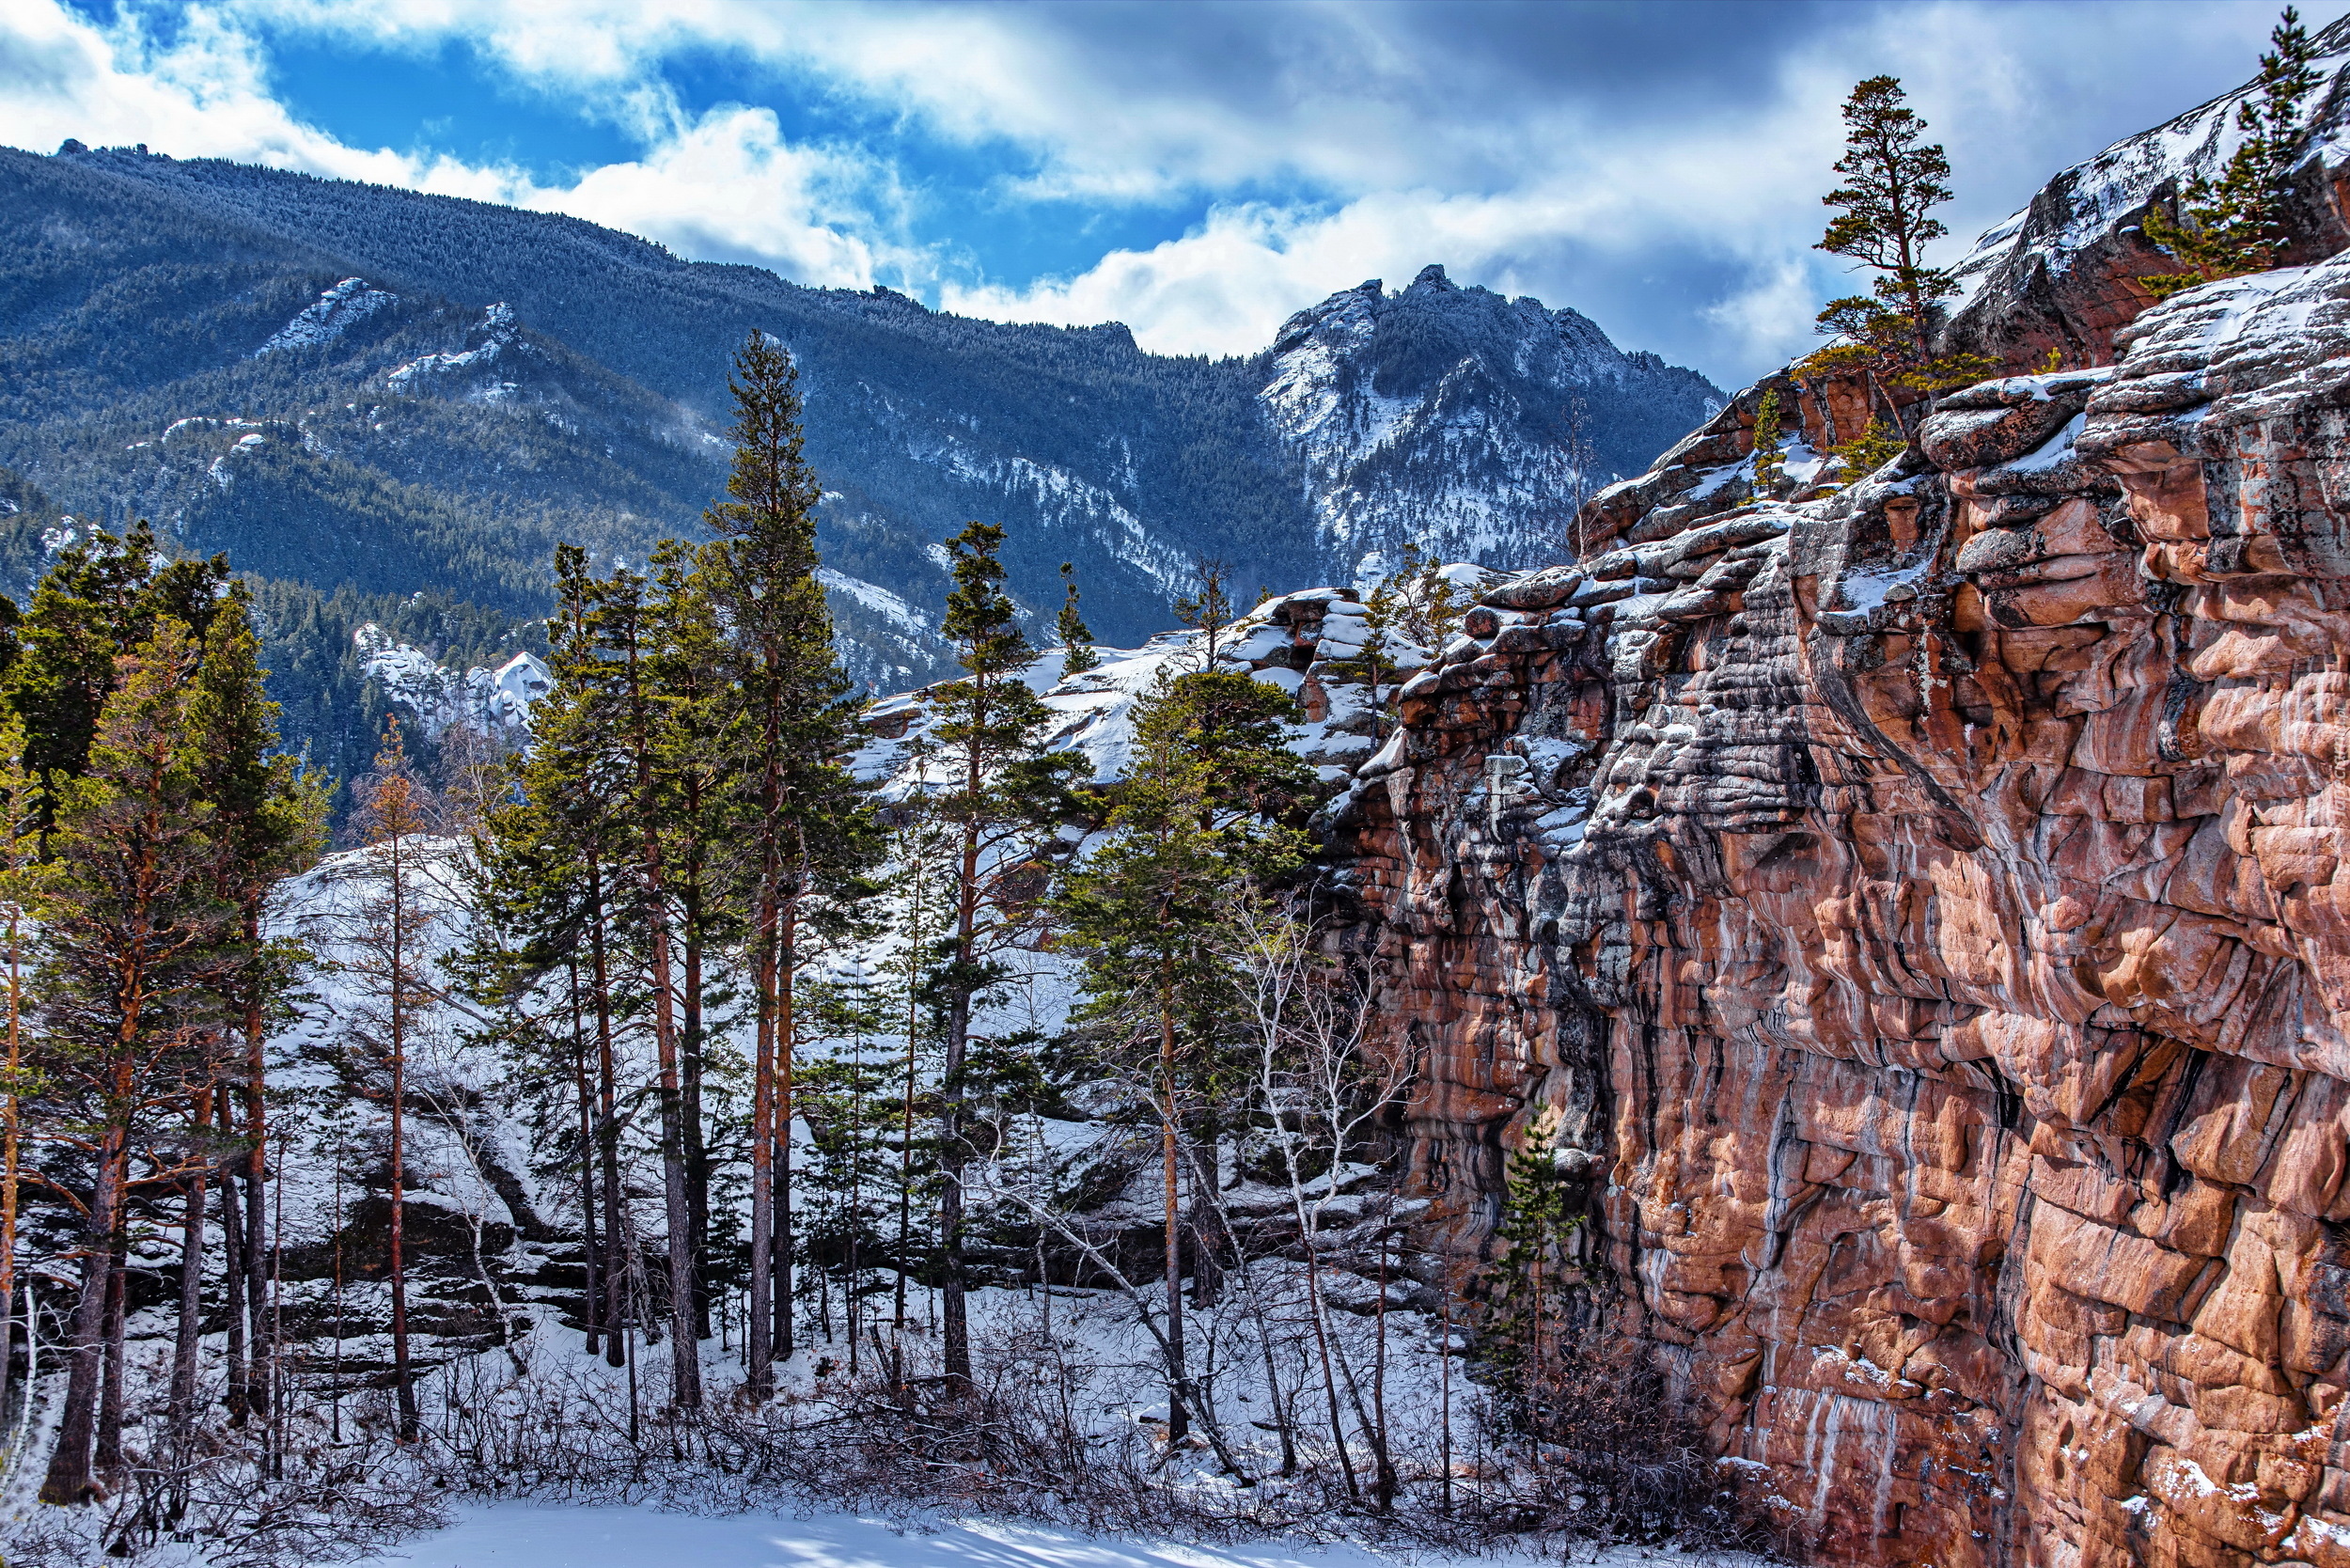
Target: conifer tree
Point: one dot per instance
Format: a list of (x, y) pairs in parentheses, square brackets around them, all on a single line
[(698, 730), (96, 605), (2239, 223), (1893, 179), (1003, 798), (1770, 458), (623, 636), (1525, 1310), (397, 812), (803, 821), (20, 889), (1076, 636), (541, 883), (131, 924), (268, 821), (1196, 821), (1208, 607), (1375, 666)]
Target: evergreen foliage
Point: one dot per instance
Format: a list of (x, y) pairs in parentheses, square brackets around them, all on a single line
[(1001, 796), (1198, 822), (1770, 457), (2237, 224), (1076, 636), (1528, 1309), (1893, 179)]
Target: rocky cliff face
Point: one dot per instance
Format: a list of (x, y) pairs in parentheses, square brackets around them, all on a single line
[(1925, 910)]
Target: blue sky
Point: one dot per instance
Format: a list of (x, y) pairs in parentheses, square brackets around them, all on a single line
[(1197, 170)]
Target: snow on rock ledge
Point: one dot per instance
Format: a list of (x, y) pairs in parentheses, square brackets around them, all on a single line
[(494, 702)]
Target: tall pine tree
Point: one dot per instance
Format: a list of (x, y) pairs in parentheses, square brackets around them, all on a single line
[(2238, 222), (803, 821), (1001, 796), (1197, 821)]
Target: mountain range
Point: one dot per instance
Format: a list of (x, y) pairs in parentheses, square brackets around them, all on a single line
[(387, 407)]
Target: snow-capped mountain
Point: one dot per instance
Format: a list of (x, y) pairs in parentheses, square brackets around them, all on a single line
[(368, 395), (1461, 422)]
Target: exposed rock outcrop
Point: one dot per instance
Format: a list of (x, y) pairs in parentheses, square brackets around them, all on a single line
[(1922, 914)]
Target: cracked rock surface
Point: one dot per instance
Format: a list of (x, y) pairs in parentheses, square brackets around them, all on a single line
[(1924, 915)]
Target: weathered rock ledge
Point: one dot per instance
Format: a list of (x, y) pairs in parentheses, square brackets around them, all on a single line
[(1927, 910)]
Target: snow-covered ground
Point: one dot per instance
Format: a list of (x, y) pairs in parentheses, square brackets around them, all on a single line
[(523, 1536)]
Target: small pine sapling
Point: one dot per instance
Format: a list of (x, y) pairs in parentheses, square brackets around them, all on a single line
[(1076, 637), (1525, 1314), (1770, 457), (1870, 450)]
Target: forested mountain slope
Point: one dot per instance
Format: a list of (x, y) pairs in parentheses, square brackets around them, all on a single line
[(365, 395)]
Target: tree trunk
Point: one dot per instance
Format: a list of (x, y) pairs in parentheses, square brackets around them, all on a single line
[(188, 1341), (589, 1302), (69, 1477), (9, 1150), (758, 1354), (256, 1259), (109, 1460), (401, 1376), (786, 1045), (232, 1279), (1210, 1244), (956, 1338), (608, 1137), (696, 1145), (1178, 1419)]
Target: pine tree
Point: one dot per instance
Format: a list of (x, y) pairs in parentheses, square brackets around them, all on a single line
[(395, 814), (1003, 799), (1207, 609), (1870, 450), (1525, 1308), (1198, 820), (97, 603), (20, 894), (700, 729), (1770, 458), (131, 927), (541, 883), (1893, 179), (1077, 639), (1427, 608), (268, 821), (804, 825), (623, 633), (2239, 223)]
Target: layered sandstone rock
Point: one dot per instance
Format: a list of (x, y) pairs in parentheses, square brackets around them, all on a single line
[(1927, 912)]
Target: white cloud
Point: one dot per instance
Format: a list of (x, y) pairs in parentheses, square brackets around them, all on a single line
[(1671, 191), (721, 184)]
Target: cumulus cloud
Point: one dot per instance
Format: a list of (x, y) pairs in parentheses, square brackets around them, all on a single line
[(1658, 167), (722, 184)]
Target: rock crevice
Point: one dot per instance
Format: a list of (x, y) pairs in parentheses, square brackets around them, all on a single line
[(1923, 915)]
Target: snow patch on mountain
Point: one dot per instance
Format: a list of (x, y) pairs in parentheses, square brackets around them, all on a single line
[(1452, 419), (2084, 204), (328, 317), (499, 332), (495, 702), (896, 611), (1061, 499)]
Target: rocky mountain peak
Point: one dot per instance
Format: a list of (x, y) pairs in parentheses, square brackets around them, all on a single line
[(1459, 419)]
